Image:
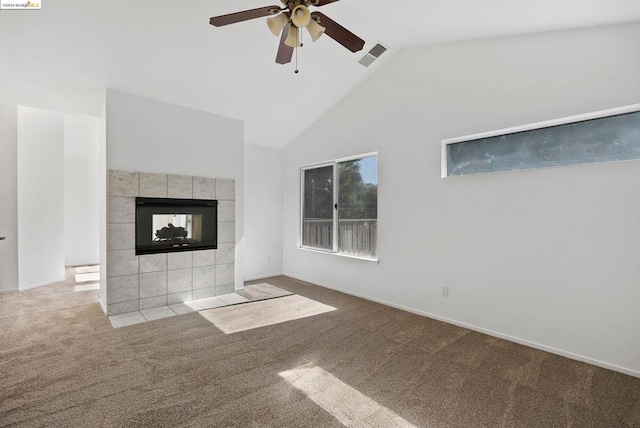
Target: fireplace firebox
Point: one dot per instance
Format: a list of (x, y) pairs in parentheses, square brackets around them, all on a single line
[(168, 225)]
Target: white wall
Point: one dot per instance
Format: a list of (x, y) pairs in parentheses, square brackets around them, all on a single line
[(263, 212), (8, 196), (40, 197), (546, 257), (102, 176), (152, 136), (81, 190)]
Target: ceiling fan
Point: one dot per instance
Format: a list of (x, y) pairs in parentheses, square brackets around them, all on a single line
[(287, 22)]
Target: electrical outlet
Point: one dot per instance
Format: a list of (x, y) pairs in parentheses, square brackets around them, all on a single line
[(445, 291)]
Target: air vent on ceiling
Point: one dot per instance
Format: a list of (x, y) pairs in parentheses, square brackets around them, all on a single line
[(372, 55)]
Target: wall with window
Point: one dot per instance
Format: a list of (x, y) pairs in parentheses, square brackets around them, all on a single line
[(545, 257)]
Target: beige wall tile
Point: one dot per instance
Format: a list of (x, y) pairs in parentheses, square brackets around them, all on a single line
[(153, 263), (181, 260), (180, 186), (226, 232), (153, 302), (122, 183), (226, 210), (225, 274), (203, 277), (204, 188), (174, 298), (204, 258), (121, 262), (223, 289), (122, 289), (153, 185), (203, 293), (179, 280), (121, 210), (153, 284), (225, 189), (121, 236), (226, 253), (122, 308)]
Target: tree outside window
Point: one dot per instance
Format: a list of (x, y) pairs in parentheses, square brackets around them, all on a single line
[(340, 207)]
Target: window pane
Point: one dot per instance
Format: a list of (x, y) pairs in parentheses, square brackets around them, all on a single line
[(358, 206), (317, 220), (606, 139)]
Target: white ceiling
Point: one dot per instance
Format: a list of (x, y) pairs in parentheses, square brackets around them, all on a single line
[(66, 54)]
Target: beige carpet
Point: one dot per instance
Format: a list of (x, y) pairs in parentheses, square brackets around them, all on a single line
[(317, 358)]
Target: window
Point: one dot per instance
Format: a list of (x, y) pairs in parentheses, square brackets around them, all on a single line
[(606, 136), (340, 206)]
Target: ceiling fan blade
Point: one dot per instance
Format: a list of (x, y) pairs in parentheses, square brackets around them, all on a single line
[(338, 33), (319, 3), (284, 52), (245, 15)]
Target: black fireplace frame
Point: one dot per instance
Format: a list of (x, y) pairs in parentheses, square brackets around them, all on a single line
[(146, 207)]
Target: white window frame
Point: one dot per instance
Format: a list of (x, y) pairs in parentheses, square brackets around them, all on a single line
[(334, 239)]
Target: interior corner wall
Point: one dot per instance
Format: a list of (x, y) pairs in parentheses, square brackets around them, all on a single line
[(152, 136), (544, 257), (81, 190), (40, 197), (9, 196), (263, 211), (102, 200)]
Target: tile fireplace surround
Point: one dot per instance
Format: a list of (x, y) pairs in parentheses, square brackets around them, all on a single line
[(149, 281)]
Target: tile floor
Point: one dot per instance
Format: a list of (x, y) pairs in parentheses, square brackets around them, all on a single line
[(85, 277), (145, 315)]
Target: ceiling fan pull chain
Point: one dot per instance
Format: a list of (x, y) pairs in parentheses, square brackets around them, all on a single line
[(299, 43)]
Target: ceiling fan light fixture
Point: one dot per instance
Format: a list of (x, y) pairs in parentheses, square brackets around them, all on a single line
[(300, 16), (293, 38), (315, 30), (277, 23)]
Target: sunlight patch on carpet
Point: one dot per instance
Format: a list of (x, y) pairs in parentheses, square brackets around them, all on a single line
[(348, 405), (247, 316), (262, 291)]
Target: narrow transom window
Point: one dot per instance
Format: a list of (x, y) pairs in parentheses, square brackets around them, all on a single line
[(606, 136)]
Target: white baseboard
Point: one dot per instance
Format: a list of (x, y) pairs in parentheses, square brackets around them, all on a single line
[(31, 287), (493, 333), (104, 308), (78, 263), (255, 278)]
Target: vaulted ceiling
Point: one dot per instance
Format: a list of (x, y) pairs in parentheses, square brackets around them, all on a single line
[(64, 55)]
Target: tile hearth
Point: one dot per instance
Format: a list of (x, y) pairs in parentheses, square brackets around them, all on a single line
[(251, 293), (137, 317)]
